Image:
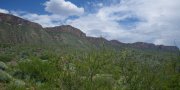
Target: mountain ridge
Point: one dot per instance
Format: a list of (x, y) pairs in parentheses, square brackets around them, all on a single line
[(39, 34)]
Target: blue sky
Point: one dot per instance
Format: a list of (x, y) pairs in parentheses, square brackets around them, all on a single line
[(24, 5), (153, 21), (36, 6)]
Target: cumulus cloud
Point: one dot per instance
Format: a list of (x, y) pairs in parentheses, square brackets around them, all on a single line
[(4, 11), (100, 4), (45, 20), (59, 11), (154, 21), (63, 8)]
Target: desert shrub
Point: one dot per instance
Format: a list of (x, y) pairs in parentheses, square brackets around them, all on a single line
[(103, 82), (37, 69), (47, 55), (70, 81), (5, 77), (6, 57), (24, 55), (16, 85), (3, 66), (5, 45)]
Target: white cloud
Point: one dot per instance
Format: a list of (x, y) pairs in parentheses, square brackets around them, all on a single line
[(100, 4), (63, 8), (4, 11), (158, 21), (44, 20), (59, 11)]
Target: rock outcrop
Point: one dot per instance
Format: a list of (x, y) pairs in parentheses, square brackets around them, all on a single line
[(67, 29), (14, 20)]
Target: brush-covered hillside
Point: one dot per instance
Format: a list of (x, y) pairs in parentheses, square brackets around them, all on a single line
[(64, 58)]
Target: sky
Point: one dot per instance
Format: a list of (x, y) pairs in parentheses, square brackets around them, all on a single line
[(129, 21)]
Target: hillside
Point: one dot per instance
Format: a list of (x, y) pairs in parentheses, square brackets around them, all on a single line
[(64, 58), (15, 30)]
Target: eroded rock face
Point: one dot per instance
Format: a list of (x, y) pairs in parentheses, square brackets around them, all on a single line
[(143, 45), (116, 42), (68, 29), (97, 40), (14, 20)]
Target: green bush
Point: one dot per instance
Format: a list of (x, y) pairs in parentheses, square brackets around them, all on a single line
[(3, 66), (5, 45), (37, 69), (4, 76), (103, 82), (6, 57), (16, 85)]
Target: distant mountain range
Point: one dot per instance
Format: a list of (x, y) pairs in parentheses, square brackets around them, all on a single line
[(15, 30)]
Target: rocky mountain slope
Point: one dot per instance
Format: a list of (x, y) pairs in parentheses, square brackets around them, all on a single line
[(15, 30)]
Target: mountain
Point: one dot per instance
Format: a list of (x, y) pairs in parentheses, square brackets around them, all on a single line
[(15, 30), (67, 35)]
